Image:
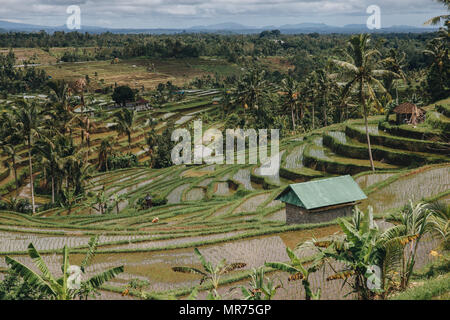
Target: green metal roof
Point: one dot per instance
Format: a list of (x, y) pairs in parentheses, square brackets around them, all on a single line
[(322, 193)]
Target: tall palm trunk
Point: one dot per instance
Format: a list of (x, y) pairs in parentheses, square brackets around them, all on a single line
[(366, 123), (31, 174), (15, 175), (292, 115), (53, 189), (129, 141)]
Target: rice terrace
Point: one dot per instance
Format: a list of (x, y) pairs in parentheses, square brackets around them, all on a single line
[(93, 206)]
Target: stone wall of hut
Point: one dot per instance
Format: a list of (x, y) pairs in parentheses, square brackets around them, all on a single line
[(297, 215)]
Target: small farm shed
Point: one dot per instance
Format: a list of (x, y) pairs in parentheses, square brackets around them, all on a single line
[(409, 113), (321, 200)]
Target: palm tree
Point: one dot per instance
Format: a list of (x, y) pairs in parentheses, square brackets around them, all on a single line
[(79, 85), (395, 63), (11, 152), (125, 119), (10, 139), (299, 272), (51, 160), (70, 285), (60, 89), (210, 272), (105, 150), (250, 89), (291, 88), (361, 72), (445, 17), (28, 121), (439, 73)]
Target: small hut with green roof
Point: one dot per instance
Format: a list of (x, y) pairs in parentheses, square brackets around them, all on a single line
[(321, 200)]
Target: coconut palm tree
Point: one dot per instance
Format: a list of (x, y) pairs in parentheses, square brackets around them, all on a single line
[(361, 71), (13, 159), (291, 88), (70, 285), (28, 119), (125, 120), (60, 90), (51, 160), (104, 151), (9, 140), (250, 89), (438, 19)]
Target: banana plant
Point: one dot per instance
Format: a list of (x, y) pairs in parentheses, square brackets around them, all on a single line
[(298, 272), (210, 272), (70, 284), (261, 287)]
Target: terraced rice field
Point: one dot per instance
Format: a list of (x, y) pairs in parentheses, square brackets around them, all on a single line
[(228, 211)]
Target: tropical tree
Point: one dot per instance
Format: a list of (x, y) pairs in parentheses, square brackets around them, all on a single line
[(440, 220), (414, 222), (28, 122), (249, 90), (438, 19), (51, 161), (361, 71), (210, 272), (60, 90), (104, 151), (438, 77), (70, 285), (291, 90), (299, 272), (125, 120)]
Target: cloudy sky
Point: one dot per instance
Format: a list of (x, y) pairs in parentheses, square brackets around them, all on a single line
[(187, 13)]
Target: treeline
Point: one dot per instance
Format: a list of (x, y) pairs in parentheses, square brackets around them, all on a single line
[(301, 47)]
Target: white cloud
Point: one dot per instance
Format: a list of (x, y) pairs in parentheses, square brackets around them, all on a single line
[(177, 13)]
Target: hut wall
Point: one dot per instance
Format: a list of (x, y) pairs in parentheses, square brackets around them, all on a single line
[(297, 215)]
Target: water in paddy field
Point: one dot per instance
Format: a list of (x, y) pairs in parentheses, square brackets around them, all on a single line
[(415, 187), (243, 177), (252, 203), (295, 159), (195, 194), (339, 135), (175, 195), (370, 179), (222, 189), (275, 177), (372, 128), (318, 141)]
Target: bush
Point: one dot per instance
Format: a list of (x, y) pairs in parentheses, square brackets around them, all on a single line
[(121, 162)]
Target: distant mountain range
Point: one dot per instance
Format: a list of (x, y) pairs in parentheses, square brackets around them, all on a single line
[(228, 28)]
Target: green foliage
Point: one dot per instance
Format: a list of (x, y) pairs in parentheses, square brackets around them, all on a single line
[(70, 285), (260, 287), (13, 287), (122, 161), (122, 95)]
